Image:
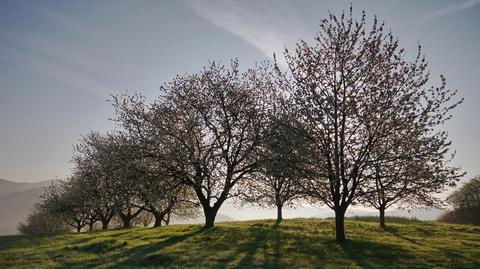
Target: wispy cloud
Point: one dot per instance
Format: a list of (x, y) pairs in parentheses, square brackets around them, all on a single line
[(44, 56), (451, 9), (53, 70), (267, 25)]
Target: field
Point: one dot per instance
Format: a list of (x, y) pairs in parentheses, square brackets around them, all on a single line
[(296, 243)]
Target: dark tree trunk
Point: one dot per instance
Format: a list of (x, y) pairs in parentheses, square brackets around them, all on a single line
[(105, 224), (127, 218), (279, 212), (340, 225), (126, 221), (158, 219), (210, 214), (79, 226), (382, 216), (90, 226)]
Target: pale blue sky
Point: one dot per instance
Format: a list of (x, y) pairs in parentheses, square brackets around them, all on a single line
[(59, 61)]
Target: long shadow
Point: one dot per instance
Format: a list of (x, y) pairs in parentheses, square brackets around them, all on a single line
[(277, 244), (142, 255), (309, 248), (367, 254), (262, 236), (21, 241), (394, 232), (277, 254), (134, 257)]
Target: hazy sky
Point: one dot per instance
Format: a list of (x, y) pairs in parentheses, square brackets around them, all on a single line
[(60, 60)]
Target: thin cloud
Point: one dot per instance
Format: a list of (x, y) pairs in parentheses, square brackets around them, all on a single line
[(42, 56), (267, 26), (54, 71), (451, 9)]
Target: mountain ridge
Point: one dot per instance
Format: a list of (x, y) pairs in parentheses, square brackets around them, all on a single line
[(16, 201)]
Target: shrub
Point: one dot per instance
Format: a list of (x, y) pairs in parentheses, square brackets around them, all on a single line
[(39, 221)]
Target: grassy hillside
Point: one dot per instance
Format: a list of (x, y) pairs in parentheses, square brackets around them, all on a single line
[(297, 243)]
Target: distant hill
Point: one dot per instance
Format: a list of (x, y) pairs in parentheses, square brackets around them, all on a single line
[(16, 200), (7, 186)]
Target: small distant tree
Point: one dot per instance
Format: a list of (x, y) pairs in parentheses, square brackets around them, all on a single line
[(409, 175), (126, 176), (67, 201), (276, 183), (157, 197), (40, 221), (145, 219), (109, 167), (93, 168), (353, 89), (186, 206)]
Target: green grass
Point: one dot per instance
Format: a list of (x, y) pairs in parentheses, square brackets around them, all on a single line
[(296, 243)]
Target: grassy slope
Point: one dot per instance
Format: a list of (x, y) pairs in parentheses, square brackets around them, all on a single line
[(297, 243)]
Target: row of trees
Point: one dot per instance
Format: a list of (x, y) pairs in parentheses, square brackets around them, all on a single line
[(111, 178), (350, 121)]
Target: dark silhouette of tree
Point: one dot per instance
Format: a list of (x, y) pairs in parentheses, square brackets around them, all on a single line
[(157, 191), (276, 183), (410, 175), (162, 198), (209, 125), (145, 219), (353, 90), (40, 221), (93, 170), (68, 202)]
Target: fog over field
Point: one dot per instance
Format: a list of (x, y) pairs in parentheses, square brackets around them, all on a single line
[(17, 200)]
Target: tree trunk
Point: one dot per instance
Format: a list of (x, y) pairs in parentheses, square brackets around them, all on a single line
[(127, 218), (167, 221), (210, 214), (79, 226), (339, 225), (158, 219), (279, 212), (126, 221), (382, 216), (90, 226), (105, 224)]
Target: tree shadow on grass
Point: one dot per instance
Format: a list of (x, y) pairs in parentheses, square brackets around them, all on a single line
[(395, 232), (256, 246), (130, 258), (144, 255), (279, 248), (261, 237), (368, 254)]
